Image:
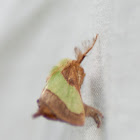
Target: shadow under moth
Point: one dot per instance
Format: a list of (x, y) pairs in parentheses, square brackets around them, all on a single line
[(61, 97)]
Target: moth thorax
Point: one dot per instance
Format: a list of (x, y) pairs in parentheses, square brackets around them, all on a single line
[(74, 74)]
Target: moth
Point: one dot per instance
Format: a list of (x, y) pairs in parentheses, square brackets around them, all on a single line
[(61, 97)]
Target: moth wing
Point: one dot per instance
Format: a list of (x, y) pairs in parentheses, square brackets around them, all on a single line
[(60, 110), (64, 100)]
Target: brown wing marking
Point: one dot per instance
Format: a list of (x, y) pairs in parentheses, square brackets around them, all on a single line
[(58, 110), (45, 111)]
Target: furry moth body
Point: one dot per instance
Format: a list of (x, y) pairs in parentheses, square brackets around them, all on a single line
[(61, 98)]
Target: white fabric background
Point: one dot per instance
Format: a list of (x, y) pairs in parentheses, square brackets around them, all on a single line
[(35, 35)]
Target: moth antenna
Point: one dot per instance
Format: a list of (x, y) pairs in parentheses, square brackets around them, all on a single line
[(81, 56), (78, 53)]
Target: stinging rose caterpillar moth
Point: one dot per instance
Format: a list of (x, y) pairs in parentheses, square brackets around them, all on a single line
[(61, 97)]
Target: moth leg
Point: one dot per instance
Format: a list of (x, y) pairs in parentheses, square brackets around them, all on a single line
[(94, 113)]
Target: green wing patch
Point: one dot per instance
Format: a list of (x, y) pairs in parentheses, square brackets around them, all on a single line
[(63, 63), (67, 93), (54, 69)]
